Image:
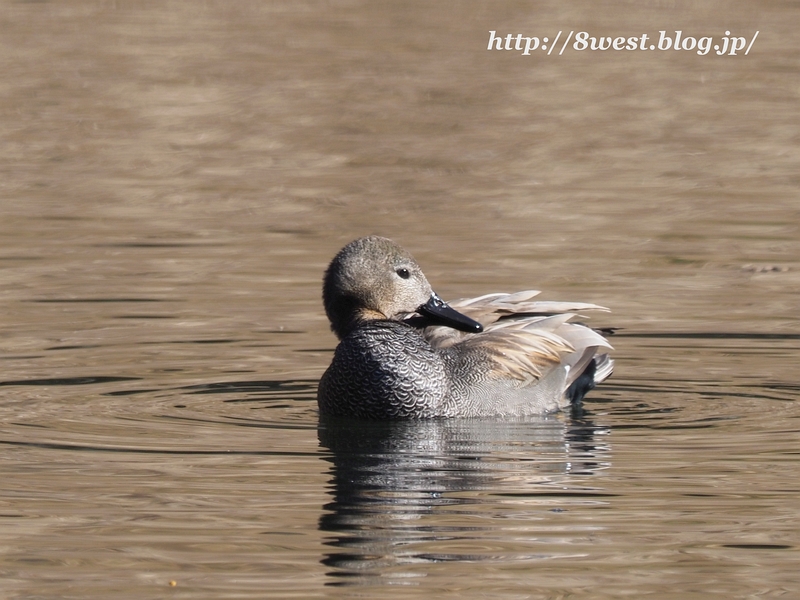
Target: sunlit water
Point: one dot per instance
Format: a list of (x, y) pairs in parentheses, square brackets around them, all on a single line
[(174, 179)]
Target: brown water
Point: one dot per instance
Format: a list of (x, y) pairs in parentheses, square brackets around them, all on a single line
[(175, 177)]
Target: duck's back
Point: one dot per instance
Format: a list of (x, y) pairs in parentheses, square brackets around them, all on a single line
[(385, 370)]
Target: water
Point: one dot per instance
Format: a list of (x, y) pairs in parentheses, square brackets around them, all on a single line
[(174, 179)]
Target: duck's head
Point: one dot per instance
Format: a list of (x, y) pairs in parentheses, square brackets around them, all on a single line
[(372, 278)]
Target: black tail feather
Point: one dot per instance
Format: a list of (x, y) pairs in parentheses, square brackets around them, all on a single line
[(583, 384)]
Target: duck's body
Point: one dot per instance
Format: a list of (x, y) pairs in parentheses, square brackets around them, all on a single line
[(404, 354)]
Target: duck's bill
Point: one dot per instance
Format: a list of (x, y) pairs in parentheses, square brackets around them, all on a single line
[(439, 313)]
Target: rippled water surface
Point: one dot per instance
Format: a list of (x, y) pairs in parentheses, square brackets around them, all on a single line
[(175, 177)]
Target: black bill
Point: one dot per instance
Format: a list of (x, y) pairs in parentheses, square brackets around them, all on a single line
[(439, 313)]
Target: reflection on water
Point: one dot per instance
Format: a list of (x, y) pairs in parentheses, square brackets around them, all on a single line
[(411, 492)]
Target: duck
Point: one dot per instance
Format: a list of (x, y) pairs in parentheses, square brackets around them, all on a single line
[(404, 353)]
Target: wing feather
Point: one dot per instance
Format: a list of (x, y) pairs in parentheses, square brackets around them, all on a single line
[(524, 340)]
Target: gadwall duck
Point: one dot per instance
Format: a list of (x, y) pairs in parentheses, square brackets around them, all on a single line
[(406, 354)]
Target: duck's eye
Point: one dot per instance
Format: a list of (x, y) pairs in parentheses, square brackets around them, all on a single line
[(403, 273)]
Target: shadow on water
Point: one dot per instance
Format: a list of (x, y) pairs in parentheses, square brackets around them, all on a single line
[(419, 491)]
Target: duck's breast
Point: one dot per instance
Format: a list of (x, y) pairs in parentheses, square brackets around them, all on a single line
[(384, 370)]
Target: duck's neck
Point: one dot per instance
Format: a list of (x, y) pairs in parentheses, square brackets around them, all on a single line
[(346, 321)]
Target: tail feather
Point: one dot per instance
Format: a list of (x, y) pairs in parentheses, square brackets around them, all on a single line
[(603, 368), (598, 369)]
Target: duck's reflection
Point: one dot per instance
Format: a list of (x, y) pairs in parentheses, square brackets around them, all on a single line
[(406, 492)]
